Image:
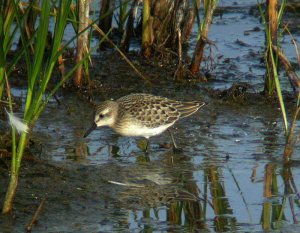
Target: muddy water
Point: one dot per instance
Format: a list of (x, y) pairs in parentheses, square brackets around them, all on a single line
[(229, 176)]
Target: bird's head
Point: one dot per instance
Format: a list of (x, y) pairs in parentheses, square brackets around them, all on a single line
[(105, 115)]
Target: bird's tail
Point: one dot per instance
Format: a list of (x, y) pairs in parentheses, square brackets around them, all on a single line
[(188, 108)]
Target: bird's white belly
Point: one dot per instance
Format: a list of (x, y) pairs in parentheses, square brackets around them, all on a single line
[(136, 130)]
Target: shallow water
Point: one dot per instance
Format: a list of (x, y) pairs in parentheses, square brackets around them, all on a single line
[(106, 183), (229, 177)]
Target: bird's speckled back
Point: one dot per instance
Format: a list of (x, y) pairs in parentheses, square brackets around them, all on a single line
[(154, 111)]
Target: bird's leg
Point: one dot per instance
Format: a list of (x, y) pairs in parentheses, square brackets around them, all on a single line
[(147, 146), (175, 147)]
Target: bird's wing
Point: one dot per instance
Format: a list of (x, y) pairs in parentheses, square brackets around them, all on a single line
[(188, 108), (148, 110), (154, 111)]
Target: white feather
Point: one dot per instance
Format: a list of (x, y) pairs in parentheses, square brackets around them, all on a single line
[(17, 123), (126, 184)]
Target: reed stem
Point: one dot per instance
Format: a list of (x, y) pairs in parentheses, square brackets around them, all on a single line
[(209, 9), (82, 40), (272, 27), (147, 29)]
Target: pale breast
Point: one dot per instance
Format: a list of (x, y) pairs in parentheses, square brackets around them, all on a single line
[(134, 130)]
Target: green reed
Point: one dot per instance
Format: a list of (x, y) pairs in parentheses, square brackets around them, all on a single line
[(272, 68), (271, 60), (39, 71), (291, 139), (278, 85), (40, 66), (7, 33), (123, 14)]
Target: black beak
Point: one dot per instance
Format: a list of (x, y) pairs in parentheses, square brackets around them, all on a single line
[(94, 126)]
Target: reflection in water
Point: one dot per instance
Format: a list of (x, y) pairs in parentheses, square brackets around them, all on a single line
[(270, 134), (223, 213), (169, 193), (169, 190), (274, 209), (198, 189)]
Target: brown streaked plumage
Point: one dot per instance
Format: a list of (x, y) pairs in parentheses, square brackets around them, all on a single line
[(143, 115)]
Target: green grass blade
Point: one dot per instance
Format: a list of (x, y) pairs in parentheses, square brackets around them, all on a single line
[(279, 92), (60, 24), (281, 10), (66, 77), (13, 129), (40, 42)]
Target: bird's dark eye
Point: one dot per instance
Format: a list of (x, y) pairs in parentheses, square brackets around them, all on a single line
[(101, 116)]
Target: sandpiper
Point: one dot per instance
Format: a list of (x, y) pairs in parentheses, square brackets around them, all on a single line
[(143, 115)]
